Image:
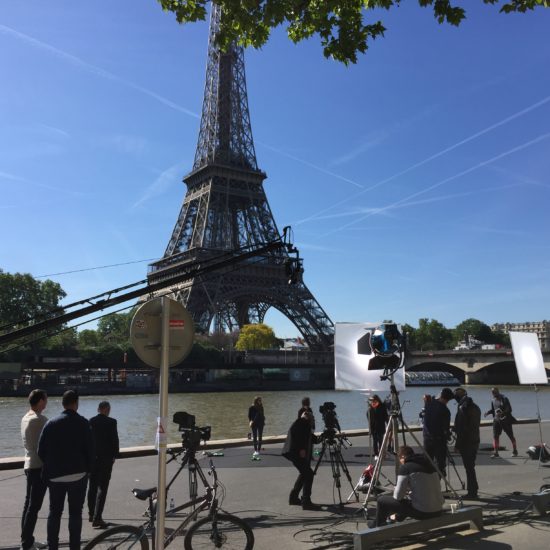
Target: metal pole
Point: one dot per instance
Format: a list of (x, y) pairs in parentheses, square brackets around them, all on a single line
[(163, 413)]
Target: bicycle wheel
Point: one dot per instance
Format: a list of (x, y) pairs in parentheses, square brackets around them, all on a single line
[(226, 531), (121, 537)]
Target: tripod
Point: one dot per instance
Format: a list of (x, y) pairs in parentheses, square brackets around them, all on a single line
[(334, 442), (392, 434), (189, 459)]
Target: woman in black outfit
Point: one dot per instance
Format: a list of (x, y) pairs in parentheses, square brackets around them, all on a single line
[(256, 420), (377, 414)]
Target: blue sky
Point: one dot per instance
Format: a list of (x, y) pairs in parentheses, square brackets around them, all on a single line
[(416, 181)]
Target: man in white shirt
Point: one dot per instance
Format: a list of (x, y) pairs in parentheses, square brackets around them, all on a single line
[(31, 427)]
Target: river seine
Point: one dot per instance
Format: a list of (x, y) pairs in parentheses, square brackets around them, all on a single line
[(227, 412)]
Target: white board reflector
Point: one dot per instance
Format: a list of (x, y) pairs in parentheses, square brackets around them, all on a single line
[(528, 358)]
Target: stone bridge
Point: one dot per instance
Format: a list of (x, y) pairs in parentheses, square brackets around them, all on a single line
[(473, 366)]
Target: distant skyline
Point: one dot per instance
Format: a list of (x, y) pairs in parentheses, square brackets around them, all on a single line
[(416, 181)]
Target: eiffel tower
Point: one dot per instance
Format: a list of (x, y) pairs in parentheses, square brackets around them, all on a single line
[(225, 209)]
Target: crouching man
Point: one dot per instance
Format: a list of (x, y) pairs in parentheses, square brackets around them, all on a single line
[(417, 493)]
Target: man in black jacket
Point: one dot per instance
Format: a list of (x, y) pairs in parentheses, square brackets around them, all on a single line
[(66, 449), (466, 427), (297, 449), (105, 435), (436, 427)]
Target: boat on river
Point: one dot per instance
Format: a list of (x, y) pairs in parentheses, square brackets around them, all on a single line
[(433, 378)]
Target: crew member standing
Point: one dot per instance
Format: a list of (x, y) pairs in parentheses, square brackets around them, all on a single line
[(105, 435), (501, 410), (436, 428), (466, 427), (31, 426), (66, 449), (378, 417), (297, 449)]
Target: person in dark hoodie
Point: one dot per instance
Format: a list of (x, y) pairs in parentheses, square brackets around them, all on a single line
[(466, 427), (297, 449), (417, 492)]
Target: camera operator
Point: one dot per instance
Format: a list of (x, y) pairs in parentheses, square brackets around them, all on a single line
[(417, 477), (466, 427), (436, 428), (297, 449)]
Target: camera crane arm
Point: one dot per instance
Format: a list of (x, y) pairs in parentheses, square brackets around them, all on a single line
[(170, 277)]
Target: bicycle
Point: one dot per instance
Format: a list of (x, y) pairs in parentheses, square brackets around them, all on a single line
[(217, 529)]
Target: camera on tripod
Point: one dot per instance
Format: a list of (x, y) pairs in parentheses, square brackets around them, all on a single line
[(328, 411), (191, 435)]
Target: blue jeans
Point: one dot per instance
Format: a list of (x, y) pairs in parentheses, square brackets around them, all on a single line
[(36, 489), (75, 491)]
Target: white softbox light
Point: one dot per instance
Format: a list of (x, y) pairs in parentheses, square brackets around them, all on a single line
[(351, 368), (528, 358)]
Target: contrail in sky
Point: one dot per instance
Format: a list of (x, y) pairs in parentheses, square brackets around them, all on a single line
[(431, 157), (442, 182), (314, 166), (98, 71)]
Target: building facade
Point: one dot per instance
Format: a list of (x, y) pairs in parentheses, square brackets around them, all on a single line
[(540, 328)]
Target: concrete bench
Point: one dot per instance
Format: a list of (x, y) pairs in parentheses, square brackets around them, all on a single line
[(365, 539), (541, 501)]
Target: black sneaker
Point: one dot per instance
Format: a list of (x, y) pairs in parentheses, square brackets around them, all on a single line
[(294, 500), (99, 524), (515, 452), (308, 505), (495, 455), (471, 496)]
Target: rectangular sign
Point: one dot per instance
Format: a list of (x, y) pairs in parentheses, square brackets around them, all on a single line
[(177, 323)]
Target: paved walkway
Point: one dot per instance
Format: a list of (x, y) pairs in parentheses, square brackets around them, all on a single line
[(258, 492)]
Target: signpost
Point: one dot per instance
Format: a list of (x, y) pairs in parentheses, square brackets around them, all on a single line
[(162, 334)]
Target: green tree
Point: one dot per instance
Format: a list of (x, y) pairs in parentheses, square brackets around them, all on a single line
[(345, 27), (475, 328), (432, 335), (114, 329), (410, 334), (88, 338), (64, 341), (258, 336), (24, 299)]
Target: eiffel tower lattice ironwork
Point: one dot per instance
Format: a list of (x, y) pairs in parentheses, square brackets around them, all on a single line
[(225, 209)]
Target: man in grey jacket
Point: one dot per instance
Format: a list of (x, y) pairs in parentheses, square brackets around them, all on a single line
[(31, 427), (417, 492)]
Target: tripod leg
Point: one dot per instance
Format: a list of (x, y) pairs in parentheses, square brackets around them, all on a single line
[(378, 464), (320, 457), (343, 465)]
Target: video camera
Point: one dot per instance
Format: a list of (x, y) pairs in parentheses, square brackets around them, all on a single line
[(191, 435), (328, 411), (386, 344)]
